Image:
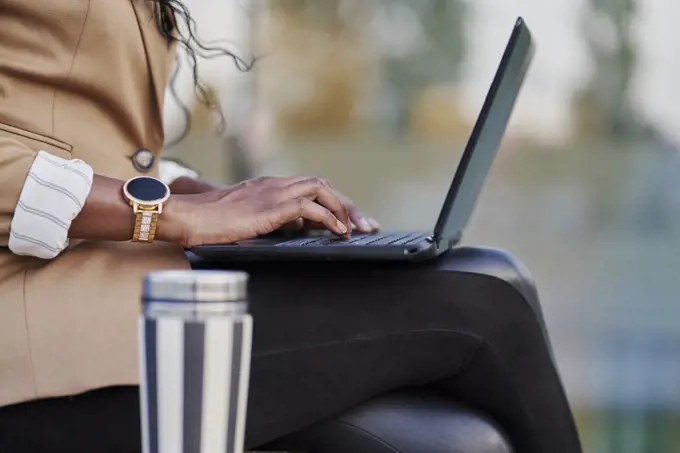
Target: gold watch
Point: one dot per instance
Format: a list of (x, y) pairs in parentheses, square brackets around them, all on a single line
[(146, 195)]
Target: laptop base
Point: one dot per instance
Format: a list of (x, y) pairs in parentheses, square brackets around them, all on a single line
[(361, 247)]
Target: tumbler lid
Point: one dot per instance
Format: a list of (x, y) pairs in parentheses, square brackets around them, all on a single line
[(195, 286)]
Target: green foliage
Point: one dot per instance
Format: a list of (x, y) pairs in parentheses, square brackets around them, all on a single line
[(441, 54), (437, 58), (604, 105)]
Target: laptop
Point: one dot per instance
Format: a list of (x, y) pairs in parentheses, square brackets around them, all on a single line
[(458, 205)]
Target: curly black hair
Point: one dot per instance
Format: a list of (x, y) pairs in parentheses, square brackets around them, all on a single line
[(169, 15)]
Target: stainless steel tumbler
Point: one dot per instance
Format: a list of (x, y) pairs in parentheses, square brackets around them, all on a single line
[(195, 343)]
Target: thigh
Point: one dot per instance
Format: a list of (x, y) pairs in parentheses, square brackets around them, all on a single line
[(329, 337), (294, 387)]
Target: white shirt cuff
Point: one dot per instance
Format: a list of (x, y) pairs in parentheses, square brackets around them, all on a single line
[(53, 195), (169, 171)]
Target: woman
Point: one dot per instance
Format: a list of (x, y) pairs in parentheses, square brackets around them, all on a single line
[(81, 101)]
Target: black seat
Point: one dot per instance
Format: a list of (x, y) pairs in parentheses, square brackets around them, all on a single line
[(415, 420)]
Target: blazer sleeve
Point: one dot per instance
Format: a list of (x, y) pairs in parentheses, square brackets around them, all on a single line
[(41, 192)]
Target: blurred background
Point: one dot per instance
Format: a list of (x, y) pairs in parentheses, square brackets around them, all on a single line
[(379, 96)]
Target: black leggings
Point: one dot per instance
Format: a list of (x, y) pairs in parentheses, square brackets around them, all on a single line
[(330, 337)]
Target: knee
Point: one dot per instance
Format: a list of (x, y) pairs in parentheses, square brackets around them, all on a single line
[(499, 282), (496, 264)]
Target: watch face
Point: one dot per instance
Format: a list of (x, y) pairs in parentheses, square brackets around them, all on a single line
[(145, 189)]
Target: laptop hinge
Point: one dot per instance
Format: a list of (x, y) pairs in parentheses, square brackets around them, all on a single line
[(446, 243)]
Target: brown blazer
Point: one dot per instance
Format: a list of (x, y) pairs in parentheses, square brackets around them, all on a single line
[(80, 79)]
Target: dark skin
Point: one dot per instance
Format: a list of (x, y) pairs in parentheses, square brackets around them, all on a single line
[(361, 222), (200, 213)]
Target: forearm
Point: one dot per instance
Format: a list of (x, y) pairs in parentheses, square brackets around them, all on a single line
[(62, 199), (107, 216)]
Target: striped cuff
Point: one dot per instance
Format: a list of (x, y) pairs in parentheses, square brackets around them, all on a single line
[(169, 171), (53, 195)]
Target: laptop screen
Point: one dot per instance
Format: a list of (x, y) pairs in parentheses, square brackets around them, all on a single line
[(486, 136)]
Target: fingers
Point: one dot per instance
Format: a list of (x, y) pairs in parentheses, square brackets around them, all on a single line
[(364, 224), (307, 209), (316, 190)]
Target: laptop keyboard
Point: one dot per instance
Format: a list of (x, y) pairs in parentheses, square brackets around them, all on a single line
[(378, 239)]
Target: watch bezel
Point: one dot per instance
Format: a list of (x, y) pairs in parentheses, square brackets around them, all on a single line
[(134, 200)]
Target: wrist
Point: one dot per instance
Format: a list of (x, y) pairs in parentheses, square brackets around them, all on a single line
[(174, 224)]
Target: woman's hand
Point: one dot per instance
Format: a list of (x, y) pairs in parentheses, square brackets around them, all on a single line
[(359, 221), (362, 223), (263, 205)]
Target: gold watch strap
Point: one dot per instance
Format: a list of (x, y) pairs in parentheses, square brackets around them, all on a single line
[(145, 225)]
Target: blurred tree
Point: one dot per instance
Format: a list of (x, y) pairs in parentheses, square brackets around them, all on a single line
[(604, 106), (362, 60), (319, 71), (432, 34), (323, 10)]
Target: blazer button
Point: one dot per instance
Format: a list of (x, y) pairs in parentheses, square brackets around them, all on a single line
[(143, 160)]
